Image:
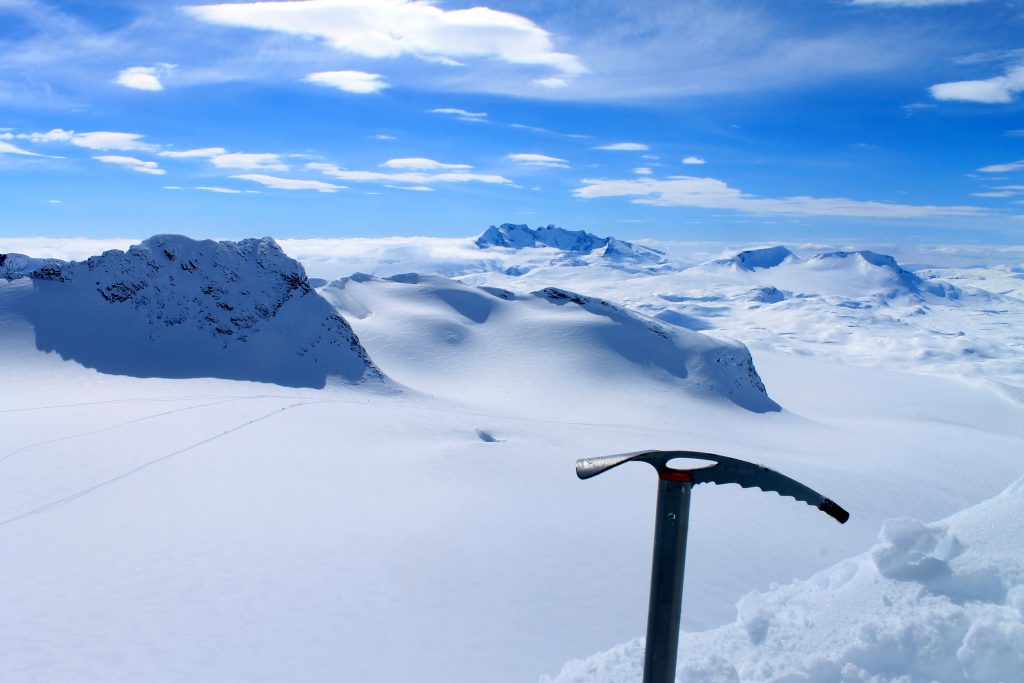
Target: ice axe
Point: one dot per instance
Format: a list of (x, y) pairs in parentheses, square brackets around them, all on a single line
[(672, 523)]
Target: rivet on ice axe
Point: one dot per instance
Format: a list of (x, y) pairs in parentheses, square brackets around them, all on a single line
[(673, 518)]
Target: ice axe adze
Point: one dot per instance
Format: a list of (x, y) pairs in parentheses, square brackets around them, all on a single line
[(674, 486)]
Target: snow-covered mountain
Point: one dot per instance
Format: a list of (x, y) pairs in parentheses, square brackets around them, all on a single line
[(176, 307), (847, 273), (515, 236), (443, 336)]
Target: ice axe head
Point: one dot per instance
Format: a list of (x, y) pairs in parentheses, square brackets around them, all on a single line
[(723, 470)]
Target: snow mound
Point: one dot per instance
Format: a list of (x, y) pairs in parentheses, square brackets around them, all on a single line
[(900, 279), (573, 241), (441, 335), (176, 307), (930, 602), (768, 257)]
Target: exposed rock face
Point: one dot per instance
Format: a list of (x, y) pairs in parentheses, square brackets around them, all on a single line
[(176, 307)]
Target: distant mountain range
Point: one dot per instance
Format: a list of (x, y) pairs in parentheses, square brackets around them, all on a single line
[(514, 236)]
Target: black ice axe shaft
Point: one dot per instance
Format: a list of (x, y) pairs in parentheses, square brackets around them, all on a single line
[(671, 525)]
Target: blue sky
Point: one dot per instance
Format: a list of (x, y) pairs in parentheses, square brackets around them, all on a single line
[(734, 120)]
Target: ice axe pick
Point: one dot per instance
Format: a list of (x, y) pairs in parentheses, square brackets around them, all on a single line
[(671, 525)]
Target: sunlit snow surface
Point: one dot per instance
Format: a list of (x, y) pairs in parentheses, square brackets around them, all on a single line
[(202, 529)]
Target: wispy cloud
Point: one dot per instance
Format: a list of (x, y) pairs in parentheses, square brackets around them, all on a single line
[(1003, 168), (461, 114), (411, 177), (694, 161), (997, 90), (110, 141), (55, 135), (912, 3), (249, 162), (710, 193), (202, 153), (150, 167), (538, 160), (8, 148), (643, 170), (143, 77), (356, 82), (421, 164), (393, 28), (289, 183), (218, 190), (625, 147)]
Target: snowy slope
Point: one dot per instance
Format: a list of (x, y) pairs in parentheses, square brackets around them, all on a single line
[(930, 602), (448, 338), (175, 307)]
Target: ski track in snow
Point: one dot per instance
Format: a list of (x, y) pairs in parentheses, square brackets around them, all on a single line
[(84, 492)]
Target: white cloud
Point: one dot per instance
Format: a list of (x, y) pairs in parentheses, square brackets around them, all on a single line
[(710, 193), (132, 163), (912, 3), (55, 135), (461, 114), (220, 190), (412, 177), (143, 77), (998, 90), (625, 147), (106, 140), (202, 153), (551, 82), (382, 136), (1003, 168), (8, 148), (412, 188), (995, 193), (643, 170), (541, 160), (392, 28), (421, 164), (172, 187), (357, 82), (289, 183), (54, 201), (693, 161), (249, 162)]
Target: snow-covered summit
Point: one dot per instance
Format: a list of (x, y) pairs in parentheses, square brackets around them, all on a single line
[(768, 257), (845, 273), (176, 307), (574, 241)]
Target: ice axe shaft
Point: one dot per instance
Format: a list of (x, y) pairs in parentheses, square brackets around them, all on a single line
[(665, 609), (671, 527)]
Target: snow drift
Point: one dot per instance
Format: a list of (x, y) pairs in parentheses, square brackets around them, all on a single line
[(930, 602), (176, 307), (429, 332)]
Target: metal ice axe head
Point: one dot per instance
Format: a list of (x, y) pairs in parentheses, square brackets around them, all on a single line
[(672, 522)]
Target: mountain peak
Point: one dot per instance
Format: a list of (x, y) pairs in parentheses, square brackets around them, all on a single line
[(172, 306)]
